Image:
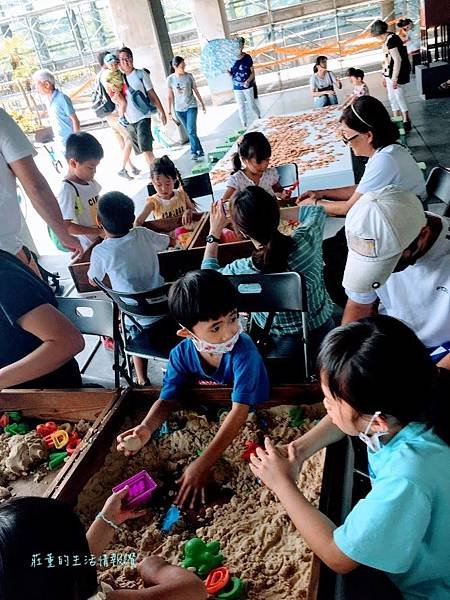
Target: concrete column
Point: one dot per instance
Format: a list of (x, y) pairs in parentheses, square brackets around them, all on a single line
[(211, 19), (388, 11), (141, 26)]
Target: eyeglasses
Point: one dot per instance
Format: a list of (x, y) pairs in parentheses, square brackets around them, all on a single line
[(347, 140)]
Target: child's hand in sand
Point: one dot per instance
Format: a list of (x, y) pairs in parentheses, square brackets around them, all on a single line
[(192, 484), (115, 512), (131, 441), (272, 468)]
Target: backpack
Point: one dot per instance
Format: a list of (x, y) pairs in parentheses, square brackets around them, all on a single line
[(101, 102), (51, 233), (140, 99)]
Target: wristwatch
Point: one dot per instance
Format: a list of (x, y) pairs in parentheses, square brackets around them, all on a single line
[(210, 239)]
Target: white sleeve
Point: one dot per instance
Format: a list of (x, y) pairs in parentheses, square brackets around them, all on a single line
[(381, 171), (368, 298), (146, 80), (96, 187), (66, 200), (159, 240), (233, 181), (14, 144), (97, 265)]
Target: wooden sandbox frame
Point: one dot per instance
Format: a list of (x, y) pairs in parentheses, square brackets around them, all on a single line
[(106, 409)]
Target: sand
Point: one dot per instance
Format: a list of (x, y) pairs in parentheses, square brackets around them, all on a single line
[(260, 544)]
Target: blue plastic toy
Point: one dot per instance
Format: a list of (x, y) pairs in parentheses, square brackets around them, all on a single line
[(171, 517), (162, 430)]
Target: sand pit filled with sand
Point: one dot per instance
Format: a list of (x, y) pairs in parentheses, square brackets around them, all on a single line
[(259, 543)]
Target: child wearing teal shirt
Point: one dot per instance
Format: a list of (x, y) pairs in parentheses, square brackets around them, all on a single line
[(379, 384)]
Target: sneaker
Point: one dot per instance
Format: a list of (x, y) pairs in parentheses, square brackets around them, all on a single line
[(200, 155), (135, 170), (407, 126), (122, 121), (194, 157), (124, 173)]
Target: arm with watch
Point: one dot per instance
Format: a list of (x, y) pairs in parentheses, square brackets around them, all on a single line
[(217, 221)]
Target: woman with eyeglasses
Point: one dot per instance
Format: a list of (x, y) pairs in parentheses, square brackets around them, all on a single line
[(322, 84), (368, 130)]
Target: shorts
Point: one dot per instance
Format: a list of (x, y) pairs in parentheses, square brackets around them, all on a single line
[(141, 136)]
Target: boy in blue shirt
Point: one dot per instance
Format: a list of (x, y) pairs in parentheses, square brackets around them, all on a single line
[(215, 349)]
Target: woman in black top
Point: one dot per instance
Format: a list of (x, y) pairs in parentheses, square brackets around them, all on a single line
[(396, 69), (37, 342)]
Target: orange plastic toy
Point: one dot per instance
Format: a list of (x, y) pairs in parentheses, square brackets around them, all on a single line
[(217, 580)]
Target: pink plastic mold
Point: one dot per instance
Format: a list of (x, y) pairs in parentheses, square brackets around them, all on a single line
[(140, 488)]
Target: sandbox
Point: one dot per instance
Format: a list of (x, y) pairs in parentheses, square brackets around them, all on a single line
[(258, 541)]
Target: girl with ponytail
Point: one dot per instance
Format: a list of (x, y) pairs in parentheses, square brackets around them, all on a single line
[(251, 167), (256, 215), (168, 200), (379, 384)]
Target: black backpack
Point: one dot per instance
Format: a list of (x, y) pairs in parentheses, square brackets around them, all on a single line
[(101, 102)]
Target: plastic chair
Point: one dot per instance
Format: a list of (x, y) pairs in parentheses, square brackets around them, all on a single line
[(155, 341), (93, 316), (438, 186), (197, 186), (288, 175), (272, 293)]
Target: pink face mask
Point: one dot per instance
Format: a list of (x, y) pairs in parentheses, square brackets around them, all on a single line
[(220, 348)]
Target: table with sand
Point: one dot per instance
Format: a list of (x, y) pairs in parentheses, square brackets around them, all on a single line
[(259, 542), (309, 139)]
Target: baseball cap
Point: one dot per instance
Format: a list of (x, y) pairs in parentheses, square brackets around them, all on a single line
[(110, 58), (379, 227)]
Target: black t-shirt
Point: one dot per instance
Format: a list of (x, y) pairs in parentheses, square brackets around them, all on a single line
[(21, 291), (394, 41)]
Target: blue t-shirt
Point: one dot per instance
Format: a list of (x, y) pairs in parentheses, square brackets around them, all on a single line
[(402, 527), (242, 368), (240, 72), (59, 111)]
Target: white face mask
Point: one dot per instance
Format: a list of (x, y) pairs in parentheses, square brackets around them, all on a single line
[(372, 440), (221, 348)]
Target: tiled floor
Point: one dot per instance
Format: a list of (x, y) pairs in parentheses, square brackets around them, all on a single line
[(428, 141)]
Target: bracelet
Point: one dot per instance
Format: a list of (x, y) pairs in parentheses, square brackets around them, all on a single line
[(102, 517)]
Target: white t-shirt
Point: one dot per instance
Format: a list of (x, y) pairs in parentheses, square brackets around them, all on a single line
[(80, 207), (239, 180), (131, 262), (14, 145), (140, 82), (392, 165), (419, 295), (317, 83)]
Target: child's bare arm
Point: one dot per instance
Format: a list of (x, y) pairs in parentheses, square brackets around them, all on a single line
[(163, 580), (192, 482), (146, 211), (229, 429)]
